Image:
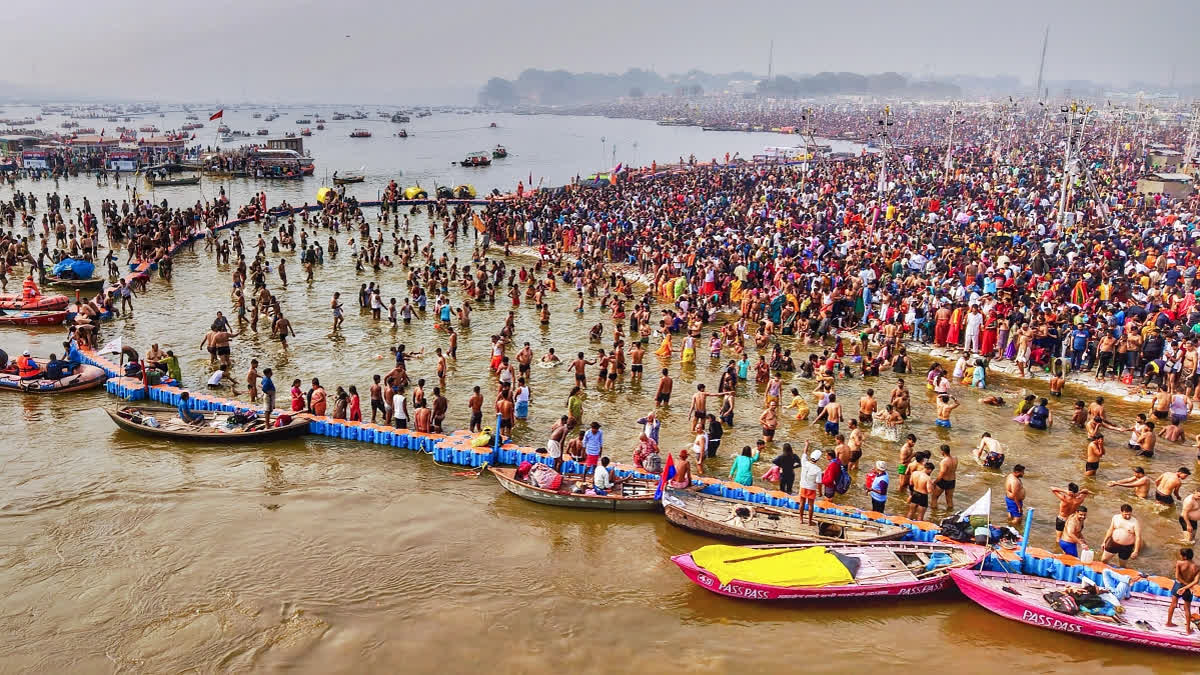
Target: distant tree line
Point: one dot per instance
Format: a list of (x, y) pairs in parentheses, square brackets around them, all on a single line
[(836, 84), (560, 87)]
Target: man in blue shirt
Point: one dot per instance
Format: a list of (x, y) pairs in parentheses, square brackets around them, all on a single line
[(593, 445), (1079, 342), (267, 385), (185, 410)]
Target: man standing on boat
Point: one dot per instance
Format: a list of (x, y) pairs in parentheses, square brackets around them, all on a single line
[(1187, 574)]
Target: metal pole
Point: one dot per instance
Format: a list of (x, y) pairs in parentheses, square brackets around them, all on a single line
[(1062, 193), (496, 436)]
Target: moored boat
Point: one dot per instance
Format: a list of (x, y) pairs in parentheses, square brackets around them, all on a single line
[(33, 318), (82, 377), (60, 282), (37, 302), (218, 427), (743, 521), (348, 178), (635, 495), (360, 133), (822, 571), (477, 159), (168, 182), (1141, 619)]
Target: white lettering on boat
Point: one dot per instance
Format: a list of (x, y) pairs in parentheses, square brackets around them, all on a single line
[(1030, 616)]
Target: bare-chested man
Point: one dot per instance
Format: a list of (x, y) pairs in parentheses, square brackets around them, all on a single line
[(921, 483), (698, 411), (1187, 574), (1068, 500), (1139, 481), (944, 479), (1189, 515), (867, 405), (1166, 488), (1014, 495), (1123, 538)]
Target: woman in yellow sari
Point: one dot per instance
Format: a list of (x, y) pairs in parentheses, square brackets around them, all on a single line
[(665, 349)]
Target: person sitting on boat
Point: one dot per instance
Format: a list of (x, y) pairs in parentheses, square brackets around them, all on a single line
[(646, 456), (57, 369), (27, 368), (29, 288), (683, 472), (604, 478), (185, 410)]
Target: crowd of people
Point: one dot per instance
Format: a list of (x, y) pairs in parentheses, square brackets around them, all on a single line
[(983, 254)]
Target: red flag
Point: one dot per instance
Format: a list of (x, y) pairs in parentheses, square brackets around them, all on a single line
[(667, 474), (217, 115)]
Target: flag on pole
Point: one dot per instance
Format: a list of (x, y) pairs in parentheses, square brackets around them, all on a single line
[(217, 115), (981, 507), (667, 474), (113, 347), (477, 222)]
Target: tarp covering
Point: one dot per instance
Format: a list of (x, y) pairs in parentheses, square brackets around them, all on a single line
[(74, 269), (814, 566)]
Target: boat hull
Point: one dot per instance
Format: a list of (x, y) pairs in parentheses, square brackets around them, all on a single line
[(298, 427), (552, 498), (747, 590), (42, 302), (682, 514), (34, 318), (1023, 610), (85, 377), (75, 283)]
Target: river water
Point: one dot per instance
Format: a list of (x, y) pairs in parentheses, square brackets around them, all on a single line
[(118, 553)]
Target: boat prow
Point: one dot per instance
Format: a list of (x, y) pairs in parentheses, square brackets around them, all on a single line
[(1142, 620)]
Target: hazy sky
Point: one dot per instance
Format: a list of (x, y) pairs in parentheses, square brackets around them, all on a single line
[(406, 52)]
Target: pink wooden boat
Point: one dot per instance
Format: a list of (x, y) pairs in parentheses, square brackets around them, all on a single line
[(1142, 622), (890, 568)]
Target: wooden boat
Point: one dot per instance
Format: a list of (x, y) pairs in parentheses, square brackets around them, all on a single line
[(743, 521), (897, 568), (477, 159), (84, 377), (1022, 598), (360, 133), (34, 318), (347, 179), (39, 302), (94, 282), (215, 429), (168, 182), (636, 495)]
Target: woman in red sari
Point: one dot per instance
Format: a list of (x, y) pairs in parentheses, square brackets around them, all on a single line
[(987, 335)]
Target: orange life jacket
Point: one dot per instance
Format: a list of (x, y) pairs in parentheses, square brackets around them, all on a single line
[(27, 367)]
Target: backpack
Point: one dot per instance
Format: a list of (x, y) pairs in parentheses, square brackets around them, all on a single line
[(842, 483), (1061, 602)]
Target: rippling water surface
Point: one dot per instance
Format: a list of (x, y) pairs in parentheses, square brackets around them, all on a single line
[(121, 553)]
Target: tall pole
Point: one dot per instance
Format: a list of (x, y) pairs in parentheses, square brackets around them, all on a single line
[(1042, 65), (949, 164), (771, 62)]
